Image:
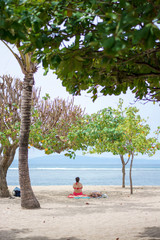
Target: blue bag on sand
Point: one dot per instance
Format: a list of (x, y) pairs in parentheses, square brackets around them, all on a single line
[(16, 192)]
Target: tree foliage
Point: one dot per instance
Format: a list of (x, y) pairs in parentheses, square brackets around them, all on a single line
[(10, 102), (111, 44), (51, 122), (115, 47), (95, 129), (9, 126)]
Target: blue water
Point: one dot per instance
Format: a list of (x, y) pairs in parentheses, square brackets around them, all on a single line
[(60, 170)]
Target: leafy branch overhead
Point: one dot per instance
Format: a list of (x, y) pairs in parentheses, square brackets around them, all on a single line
[(107, 46)]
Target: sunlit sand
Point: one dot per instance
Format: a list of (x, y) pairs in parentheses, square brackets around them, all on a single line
[(121, 216)]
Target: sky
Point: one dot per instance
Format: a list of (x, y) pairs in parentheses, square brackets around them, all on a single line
[(51, 85)]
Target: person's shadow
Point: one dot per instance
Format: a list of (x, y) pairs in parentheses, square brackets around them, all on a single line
[(151, 233), (12, 234)]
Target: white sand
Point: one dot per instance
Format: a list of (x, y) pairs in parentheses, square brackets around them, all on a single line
[(121, 216)]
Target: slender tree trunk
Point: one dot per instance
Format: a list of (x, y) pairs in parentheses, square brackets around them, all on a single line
[(5, 162), (4, 191), (28, 199), (123, 171), (130, 174)]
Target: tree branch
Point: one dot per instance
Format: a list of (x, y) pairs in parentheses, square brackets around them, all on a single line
[(150, 51), (15, 55), (149, 65)]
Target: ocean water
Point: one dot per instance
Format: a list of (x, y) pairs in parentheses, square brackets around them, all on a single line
[(60, 170)]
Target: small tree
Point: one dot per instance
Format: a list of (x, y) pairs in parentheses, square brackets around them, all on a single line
[(121, 132), (135, 139), (50, 120)]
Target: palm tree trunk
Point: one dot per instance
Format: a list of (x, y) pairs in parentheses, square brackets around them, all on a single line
[(28, 199), (123, 171)]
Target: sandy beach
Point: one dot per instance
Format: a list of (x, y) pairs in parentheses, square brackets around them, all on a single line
[(121, 216)]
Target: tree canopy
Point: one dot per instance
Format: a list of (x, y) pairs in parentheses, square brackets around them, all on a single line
[(133, 134), (95, 130), (51, 122), (104, 46), (117, 130), (118, 50)]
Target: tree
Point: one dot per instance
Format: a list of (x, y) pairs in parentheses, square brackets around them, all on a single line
[(128, 136), (50, 120), (135, 139)]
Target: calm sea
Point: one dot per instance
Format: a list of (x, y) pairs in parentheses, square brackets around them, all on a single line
[(60, 170)]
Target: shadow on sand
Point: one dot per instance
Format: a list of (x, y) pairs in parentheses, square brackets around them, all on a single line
[(151, 233), (12, 234)]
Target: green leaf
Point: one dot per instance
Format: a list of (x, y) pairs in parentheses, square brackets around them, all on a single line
[(79, 58), (141, 34), (109, 42), (39, 43)]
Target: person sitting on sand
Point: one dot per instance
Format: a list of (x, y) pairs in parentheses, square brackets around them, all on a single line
[(77, 187)]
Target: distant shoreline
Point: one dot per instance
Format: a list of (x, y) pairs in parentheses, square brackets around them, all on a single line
[(88, 188)]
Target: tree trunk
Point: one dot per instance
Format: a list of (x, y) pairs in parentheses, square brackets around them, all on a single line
[(130, 174), (28, 199), (4, 192), (5, 162), (123, 171)]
